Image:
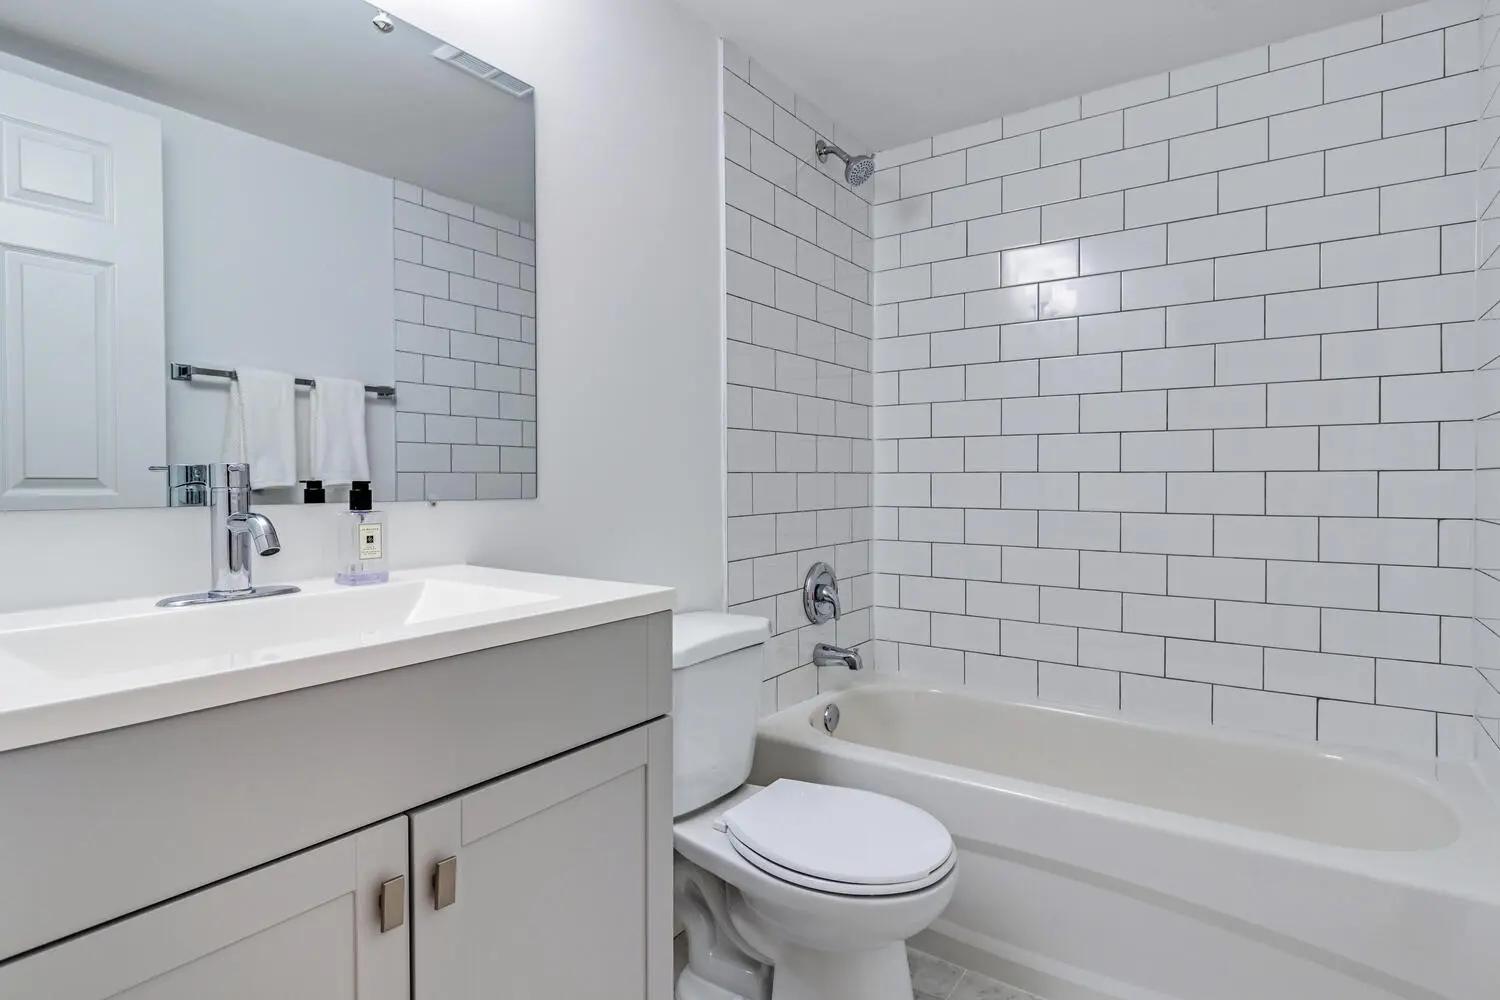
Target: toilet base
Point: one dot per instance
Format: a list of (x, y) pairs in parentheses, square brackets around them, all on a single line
[(804, 974), (878, 974), (691, 986)]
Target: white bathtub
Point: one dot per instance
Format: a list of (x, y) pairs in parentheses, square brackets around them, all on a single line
[(1107, 859)]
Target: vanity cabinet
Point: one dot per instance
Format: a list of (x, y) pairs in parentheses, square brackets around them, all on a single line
[(509, 886), (512, 818)]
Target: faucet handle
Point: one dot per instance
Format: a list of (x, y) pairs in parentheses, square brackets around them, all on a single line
[(197, 478), (192, 478), (183, 474), (236, 475), (820, 594), (825, 596)]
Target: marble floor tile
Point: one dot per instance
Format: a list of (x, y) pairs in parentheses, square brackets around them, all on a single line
[(931, 977), (934, 979)]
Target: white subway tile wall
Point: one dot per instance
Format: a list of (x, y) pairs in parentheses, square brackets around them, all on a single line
[(1172, 394), (465, 350), (1482, 543), (798, 256)]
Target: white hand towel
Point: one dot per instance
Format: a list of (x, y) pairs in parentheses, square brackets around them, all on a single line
[(260, 427), (339, 451)]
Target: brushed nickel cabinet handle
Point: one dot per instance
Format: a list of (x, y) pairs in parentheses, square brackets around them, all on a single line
[(445, 883), (392, 903)]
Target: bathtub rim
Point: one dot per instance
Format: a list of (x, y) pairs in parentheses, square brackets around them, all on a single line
[(1468, 867)]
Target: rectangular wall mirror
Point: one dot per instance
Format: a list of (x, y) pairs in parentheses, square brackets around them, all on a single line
[(305, 188)]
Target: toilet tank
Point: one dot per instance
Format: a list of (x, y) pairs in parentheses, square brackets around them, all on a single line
[(718, 662)]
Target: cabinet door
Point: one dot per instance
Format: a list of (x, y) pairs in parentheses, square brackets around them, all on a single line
[(554, 882), (304, 928)]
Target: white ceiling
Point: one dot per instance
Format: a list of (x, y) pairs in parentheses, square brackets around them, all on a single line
[(313, 74), (893, 71)]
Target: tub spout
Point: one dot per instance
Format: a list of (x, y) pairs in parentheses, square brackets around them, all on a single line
[(827, 655)]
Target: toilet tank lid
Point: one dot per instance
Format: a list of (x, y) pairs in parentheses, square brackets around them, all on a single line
[(702, 635)]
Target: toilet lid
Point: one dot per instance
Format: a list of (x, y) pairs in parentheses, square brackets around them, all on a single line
[(839, 835)]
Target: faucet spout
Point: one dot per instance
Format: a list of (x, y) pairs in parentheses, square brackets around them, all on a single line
[(828, 655), (260, 529)]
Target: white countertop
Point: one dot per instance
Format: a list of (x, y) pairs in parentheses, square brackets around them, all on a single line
[(81, 669)]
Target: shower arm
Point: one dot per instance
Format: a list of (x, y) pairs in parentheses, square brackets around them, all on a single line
[(824, 147)]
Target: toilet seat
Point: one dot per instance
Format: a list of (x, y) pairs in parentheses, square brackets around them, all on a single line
[(844, 841), (839, 888)]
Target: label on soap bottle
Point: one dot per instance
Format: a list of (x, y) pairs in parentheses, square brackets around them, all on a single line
[(370, 546)]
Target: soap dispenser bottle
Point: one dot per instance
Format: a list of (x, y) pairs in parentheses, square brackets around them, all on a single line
[(362, 541)]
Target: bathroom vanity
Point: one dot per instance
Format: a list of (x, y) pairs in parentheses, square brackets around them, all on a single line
[(449, 785)]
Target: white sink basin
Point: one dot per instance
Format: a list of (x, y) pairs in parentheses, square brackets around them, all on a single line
[(74, 670), (254, 630)]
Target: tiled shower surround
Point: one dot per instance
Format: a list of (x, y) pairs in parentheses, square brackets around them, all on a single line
[(465, 350), (1173, 393), (797, 263)]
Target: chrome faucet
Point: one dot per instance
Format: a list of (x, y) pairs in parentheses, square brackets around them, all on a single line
[(820, 602), (233, 529), (820, 594), (827, 655)]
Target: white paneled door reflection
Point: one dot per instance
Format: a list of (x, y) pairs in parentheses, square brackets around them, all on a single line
[(82, 356)]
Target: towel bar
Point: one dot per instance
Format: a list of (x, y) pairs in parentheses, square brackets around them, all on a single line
[(186, 373)]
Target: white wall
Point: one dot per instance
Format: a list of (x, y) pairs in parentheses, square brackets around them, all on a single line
[(630, 418), (1173, 388)]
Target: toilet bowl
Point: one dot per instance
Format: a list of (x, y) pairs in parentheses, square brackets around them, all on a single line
[(822, 938), (795, 890)]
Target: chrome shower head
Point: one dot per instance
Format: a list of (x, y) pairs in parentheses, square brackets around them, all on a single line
[(857, 169)]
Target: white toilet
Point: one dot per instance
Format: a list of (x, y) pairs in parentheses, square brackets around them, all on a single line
[(792, 891)]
